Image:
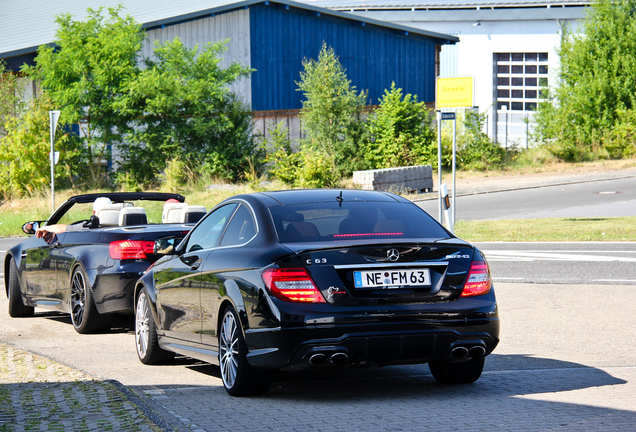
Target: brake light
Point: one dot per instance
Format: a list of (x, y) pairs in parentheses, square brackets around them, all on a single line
[(478, 281), (292, 285), (130, 249)]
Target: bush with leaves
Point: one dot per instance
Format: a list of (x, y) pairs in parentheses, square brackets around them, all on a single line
[(597, 81), (620, 141), (332, 115), (475, 150), (401, 132), (283, 162), (11, 104), (25, 166), (316, 170), (183, 108)]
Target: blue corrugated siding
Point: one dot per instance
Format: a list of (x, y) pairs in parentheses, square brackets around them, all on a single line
[(373, 57)]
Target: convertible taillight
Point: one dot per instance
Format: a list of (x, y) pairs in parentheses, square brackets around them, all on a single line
[(292, 285), (130, 249), (478, 281)]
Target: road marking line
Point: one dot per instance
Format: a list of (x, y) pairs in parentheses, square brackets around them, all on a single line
[(614, 280), (507, 255)]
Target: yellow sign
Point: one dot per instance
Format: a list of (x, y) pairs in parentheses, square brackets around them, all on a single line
[(454, 92)]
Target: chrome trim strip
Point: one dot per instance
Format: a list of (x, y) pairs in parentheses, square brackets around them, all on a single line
[(212, 353), (409, 264)]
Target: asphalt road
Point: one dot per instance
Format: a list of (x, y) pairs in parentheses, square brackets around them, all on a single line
[(607, 198), (566, 362), (598, 263)]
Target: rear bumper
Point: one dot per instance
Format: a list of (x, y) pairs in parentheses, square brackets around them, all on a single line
[(381, 344)]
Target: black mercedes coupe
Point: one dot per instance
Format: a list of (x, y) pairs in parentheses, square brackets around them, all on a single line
[(91, 269), (315, 278)]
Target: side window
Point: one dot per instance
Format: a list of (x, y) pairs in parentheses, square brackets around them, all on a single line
[(241, 228), (206, 234)]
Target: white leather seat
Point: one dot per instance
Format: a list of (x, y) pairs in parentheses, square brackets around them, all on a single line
[(108, 214), (192, 213), (132, 216), (172, 212)]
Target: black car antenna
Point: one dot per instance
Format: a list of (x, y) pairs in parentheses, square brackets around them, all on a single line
[(339, 199)]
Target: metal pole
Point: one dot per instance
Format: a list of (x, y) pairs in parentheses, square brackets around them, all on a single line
[(452, 224), (439, 164), (53, 118), (52, 136)]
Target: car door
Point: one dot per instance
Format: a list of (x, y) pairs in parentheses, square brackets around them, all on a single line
[(221, 264), (180, 280), (41, 268)]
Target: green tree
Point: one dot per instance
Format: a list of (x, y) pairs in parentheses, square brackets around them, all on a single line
[(11, 104), (24, 152), (333, 112), (597, 81), (401, 132), (86, 73), (183, 108)]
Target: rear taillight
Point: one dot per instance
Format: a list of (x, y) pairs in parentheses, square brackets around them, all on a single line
[(130, 249), (292, 285), (478, 281)]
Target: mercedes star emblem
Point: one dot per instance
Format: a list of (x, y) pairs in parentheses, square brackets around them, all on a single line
[(393, 254)]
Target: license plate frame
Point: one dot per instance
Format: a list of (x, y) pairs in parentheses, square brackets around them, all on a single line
[(392, 278)]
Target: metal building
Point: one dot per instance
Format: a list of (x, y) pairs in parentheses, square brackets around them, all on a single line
[(272, 37), (510, 47)]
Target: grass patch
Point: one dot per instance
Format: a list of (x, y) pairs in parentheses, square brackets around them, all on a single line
[(551, 229), (15, 213)]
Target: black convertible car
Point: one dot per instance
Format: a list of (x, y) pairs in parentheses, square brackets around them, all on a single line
[(313, 278), (90, 271)]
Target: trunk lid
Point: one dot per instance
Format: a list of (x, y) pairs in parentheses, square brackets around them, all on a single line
[(405, 272)]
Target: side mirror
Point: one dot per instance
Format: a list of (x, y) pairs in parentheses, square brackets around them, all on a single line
[(166, 245), (30, 227)]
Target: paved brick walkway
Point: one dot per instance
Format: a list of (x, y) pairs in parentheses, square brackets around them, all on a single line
[(37, 394)]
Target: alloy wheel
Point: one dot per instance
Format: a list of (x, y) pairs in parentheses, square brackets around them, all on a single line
[(141, 325), (229, 349), (78, 298)]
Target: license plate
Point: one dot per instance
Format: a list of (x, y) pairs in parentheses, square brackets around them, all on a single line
[(393, 278)]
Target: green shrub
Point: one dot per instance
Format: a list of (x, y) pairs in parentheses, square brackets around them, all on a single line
[(316, 170), (25, 167), (283, 162), (620, 141), (401, 133)]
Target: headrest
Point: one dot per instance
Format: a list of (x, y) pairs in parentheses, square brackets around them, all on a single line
[(192, 213), (99, 202), (172, 212), (132, 216), (108, 214)]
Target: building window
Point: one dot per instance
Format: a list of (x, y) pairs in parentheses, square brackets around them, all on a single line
[(520, 78)]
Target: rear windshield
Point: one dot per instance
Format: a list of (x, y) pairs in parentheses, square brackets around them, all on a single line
[(350, 221)]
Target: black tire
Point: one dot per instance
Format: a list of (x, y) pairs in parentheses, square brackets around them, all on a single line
[(84, 315), (457, 373), (17, 309), (148, 349), (239, 379)]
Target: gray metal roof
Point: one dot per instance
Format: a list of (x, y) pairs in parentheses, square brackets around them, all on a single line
[(27, 24), (442, 4)]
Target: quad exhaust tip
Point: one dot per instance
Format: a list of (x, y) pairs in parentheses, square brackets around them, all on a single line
[(337, 358), (317, 359), (473, 351)]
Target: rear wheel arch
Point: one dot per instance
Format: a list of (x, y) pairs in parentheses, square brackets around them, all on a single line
[(151, 293), (232, 297)]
